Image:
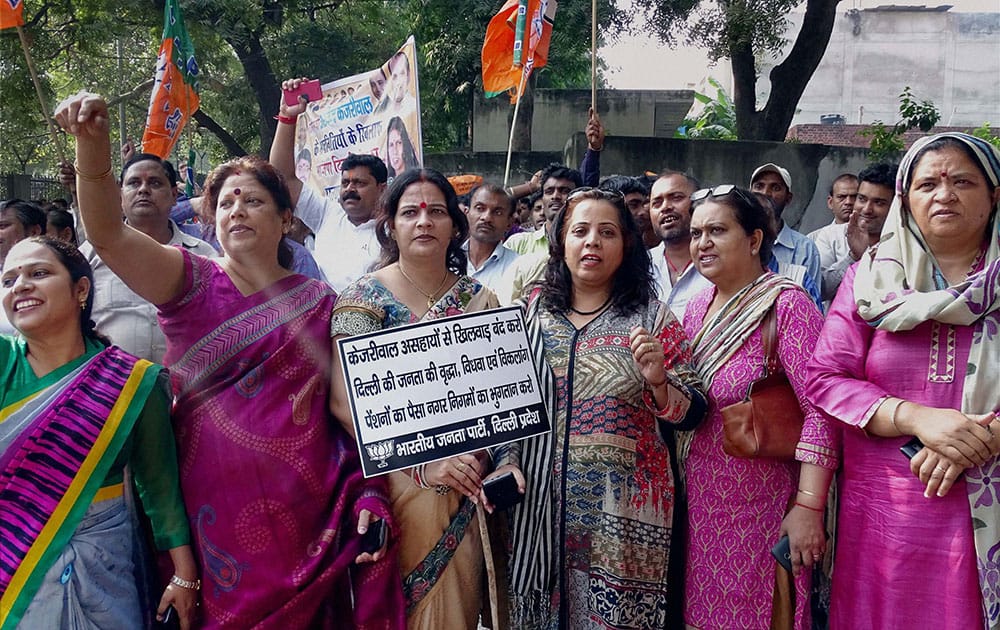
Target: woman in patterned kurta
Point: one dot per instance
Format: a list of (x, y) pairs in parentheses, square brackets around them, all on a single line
[(603, 478), (736, 506)]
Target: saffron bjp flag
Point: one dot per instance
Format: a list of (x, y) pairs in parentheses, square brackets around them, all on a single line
[(508, 59), (175, 90), (11, 13)]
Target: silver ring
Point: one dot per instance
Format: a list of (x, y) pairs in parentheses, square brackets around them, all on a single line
[(460, 465)]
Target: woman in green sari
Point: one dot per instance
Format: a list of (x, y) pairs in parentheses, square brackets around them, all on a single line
[(74, 413)]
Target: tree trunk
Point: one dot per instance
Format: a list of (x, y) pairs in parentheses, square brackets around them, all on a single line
[(264, 84), (788, 79), (522, 133), (234, 148)]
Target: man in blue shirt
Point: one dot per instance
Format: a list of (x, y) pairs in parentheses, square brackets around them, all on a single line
[(491, 212)]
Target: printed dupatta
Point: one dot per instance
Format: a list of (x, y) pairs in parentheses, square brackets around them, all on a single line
[(58, 445)]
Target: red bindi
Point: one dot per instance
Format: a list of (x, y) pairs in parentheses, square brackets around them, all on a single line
[(944, 174), (423, 205), (236, 191)]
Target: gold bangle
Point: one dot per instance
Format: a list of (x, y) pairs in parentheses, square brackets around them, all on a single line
[(91, 178), (812, 494)]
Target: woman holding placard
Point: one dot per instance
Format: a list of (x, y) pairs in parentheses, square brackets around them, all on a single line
[(592, 539), (422, 278)]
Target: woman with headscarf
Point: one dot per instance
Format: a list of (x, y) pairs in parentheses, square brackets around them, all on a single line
[(911, 348)]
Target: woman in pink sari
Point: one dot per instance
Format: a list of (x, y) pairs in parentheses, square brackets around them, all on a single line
[(911, 348), (272, 484)]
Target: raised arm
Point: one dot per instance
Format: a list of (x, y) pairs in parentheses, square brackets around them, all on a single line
[(155, 272), (283, 146)]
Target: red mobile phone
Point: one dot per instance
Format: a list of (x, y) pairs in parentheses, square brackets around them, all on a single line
[(310, 89)]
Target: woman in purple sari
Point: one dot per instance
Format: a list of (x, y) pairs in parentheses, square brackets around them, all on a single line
[(272, 484)]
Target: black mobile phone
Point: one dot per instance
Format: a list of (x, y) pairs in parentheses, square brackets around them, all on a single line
[(169, 619), (502, 491), (782, 552), (373, 539), (911, 448)]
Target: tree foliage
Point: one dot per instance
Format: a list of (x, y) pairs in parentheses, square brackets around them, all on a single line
[(246, 47), (743, 31), (886, 143), (717, 119)]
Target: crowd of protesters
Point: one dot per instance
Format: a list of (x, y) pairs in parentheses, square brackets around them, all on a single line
[(174, 385)]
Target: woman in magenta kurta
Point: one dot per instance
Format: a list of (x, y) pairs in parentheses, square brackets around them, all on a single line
[(911, 348), (736, 506)]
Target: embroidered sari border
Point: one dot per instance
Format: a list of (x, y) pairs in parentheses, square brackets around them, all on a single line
[(78, 496)]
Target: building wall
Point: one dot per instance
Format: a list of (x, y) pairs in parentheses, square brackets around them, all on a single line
[(850, 135), (558, 114), (951, 59)]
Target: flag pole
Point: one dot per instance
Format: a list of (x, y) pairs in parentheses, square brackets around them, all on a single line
[(593, 55), (513, 125), (60, 152)]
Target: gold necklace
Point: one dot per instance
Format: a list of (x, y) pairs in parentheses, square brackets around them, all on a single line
[(430, 297)]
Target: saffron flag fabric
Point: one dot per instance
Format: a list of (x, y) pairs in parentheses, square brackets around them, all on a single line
[(11, 13), (175, 90), (506, 64)]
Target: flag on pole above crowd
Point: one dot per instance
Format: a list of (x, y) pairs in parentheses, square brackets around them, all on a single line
[(11, 13), (175, 90), (507, 59)]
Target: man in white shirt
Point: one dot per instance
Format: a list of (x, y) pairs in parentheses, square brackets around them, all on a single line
[(791, 247), (491, 212), (676, 278), (148, 193), (876, 188), (346, 246), (831, 240)]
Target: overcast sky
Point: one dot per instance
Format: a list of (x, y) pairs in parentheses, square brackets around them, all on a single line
[(631, 60)]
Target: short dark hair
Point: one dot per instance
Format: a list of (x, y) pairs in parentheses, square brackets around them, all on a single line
[(632, 287), (691, 179), (843, 177), (493, 189), (168, 167), (304, 154), (750, 213), (561, 171), (533, 197), (268, 177), (373, 163), (28, 213), (623, 184), (455, 260), (881, 174), (61, 220)]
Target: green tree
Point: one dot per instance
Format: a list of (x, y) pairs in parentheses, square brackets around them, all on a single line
[(741, 31), (886, 143)]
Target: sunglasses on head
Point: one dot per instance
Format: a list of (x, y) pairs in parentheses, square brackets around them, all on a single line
[(721, 191)]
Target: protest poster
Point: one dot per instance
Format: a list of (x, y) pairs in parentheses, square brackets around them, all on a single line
[(435, 389), (376, 112)]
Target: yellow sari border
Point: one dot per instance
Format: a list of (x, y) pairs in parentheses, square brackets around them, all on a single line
[(79, 484)]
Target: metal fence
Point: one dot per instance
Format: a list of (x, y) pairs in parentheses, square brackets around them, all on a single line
[(21, 186)]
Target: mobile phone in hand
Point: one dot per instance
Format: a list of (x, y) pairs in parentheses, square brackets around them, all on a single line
[(782, 552), (502, 491), (311, 90), (373, 539), (911, 448)]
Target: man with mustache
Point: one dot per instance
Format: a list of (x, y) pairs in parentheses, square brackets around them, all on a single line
[(675, 277), (831, 240), (491, 213), (346, 247), (148, 193)]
